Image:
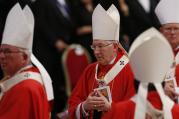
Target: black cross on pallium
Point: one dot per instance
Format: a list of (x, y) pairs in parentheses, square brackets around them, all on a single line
[(101, 83), (121, 62), (27, 75)]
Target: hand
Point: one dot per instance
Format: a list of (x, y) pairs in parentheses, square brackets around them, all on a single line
[(170, 90), (96, 101), (104, 105), (61, 45), (84, 30), (124, 7), (88, 103)]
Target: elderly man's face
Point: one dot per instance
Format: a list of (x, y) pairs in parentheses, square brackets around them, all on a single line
[(11, 59), (104, 51), (171, 32)]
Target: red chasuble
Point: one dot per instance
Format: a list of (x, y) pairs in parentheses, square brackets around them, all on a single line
[(25, 100), (177, 74), (125, 110), (122, 87)]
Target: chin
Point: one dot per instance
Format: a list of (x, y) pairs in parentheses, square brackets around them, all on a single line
[(102, 63)]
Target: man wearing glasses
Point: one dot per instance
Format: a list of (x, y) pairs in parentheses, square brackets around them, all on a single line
[(110, 79), (26, 89), (166, 13)]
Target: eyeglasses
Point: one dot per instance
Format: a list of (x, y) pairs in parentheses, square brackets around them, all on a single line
[(8, 51), (169, 30), (93, 47)]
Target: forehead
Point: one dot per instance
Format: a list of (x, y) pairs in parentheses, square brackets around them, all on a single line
[(171, 25), (98, 41), (6, 46)]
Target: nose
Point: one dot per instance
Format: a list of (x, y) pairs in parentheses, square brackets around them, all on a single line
[(2, 55), (96, 50), (173, 31)]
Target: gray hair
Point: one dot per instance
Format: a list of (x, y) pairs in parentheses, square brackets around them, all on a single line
[(27, 52)]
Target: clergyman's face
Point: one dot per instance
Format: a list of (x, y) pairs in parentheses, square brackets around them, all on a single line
[(11, 59), (171, 32), (104, 51)]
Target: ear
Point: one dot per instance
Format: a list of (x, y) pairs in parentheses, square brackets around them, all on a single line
[(161, 29), (25, 58), (115, 46)]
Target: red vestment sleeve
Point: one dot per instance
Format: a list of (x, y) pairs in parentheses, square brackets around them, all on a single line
[(177, 74), (26, 100), (79, 94)]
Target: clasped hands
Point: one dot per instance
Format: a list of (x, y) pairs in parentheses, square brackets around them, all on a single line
[(96, 101)]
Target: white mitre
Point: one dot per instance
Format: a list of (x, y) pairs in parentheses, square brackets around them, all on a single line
[(105, 24), (167, 11)]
